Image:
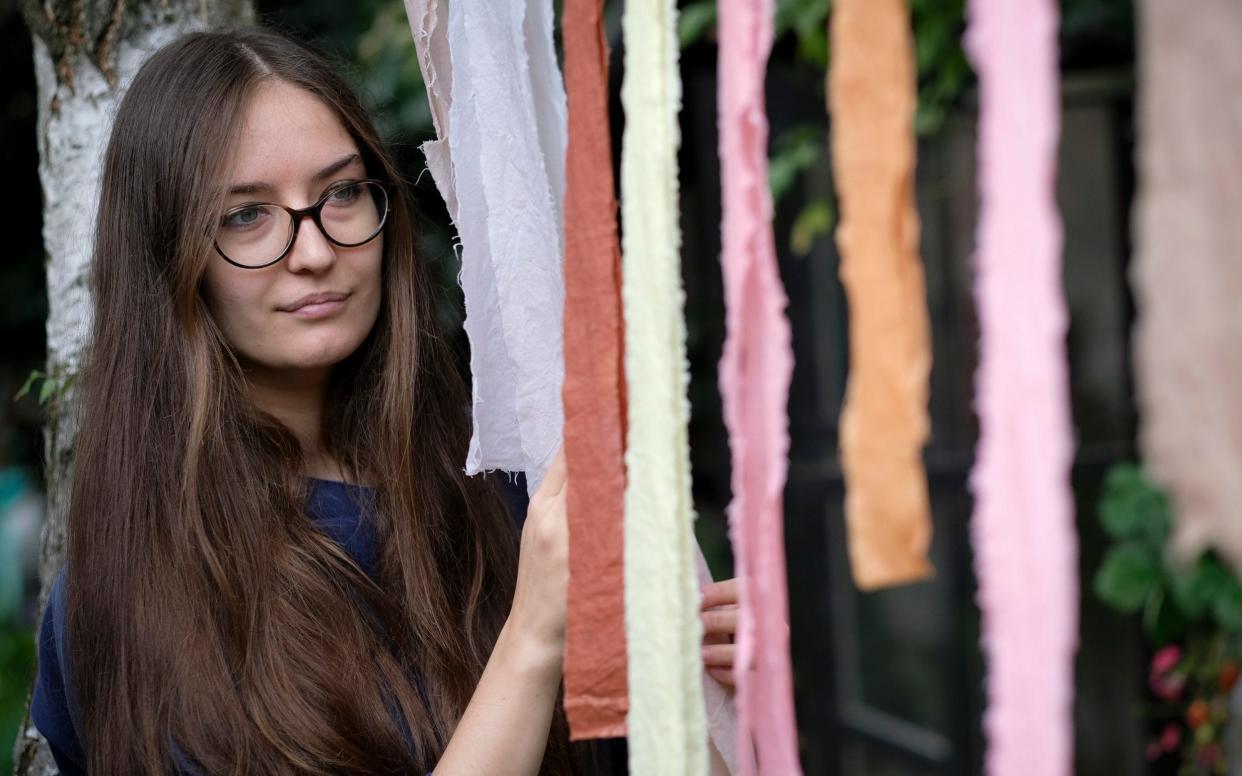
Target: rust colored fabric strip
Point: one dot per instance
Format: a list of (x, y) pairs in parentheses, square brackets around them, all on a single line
[(594, 391), (884, 424), (755, 370), (1188, 268)]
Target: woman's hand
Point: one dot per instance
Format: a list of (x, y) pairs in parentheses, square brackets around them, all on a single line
[(718, 612), (539, 599), (505, 727)]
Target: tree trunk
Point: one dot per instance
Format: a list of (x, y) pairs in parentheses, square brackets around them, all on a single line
[(86, 54)]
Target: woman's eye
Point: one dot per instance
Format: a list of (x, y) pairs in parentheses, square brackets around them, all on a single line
[(243, 217), (344, 194)]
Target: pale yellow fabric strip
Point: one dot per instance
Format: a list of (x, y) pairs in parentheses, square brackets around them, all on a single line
[(667, 721)]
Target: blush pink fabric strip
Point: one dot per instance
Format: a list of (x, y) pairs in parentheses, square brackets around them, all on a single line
[(1023, 526), (1187, 270), (754, 381)]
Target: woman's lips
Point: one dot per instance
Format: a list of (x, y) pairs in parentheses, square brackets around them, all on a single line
[(317, 305), (318, 309)]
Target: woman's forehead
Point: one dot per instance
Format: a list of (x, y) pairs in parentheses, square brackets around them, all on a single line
[(288, 139)]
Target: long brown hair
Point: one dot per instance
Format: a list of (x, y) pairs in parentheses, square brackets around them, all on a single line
[(206, 612)]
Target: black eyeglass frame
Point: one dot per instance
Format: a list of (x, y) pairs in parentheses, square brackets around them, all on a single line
[(314, 211)]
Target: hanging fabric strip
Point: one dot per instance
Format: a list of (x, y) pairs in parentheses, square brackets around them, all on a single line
[(884, 423), (429, 26), (1023, 525), (1188, 268), (666, 722), (594, 391), (504, 183), (755, 370)]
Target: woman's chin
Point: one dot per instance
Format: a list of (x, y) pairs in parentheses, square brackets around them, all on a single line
[(305, 357)]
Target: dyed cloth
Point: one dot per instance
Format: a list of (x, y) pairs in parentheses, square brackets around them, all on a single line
[(594, 392), (755, 370), (884, 423), (666, 722), (504, 183), (1188, 268), (1023, 527)]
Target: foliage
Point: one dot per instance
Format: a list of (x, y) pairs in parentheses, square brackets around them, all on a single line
[(1137, 576), (1193, 612), (942, 74), (46, 387), (937, 24), (391, 76), (17, 653)]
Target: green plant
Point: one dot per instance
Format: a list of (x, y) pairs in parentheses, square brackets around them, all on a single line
[(1191, 612), (46, 387), (17, 653), (1137, 576)]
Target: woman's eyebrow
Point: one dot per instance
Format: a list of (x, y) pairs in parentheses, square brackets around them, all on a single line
[(330, 170)]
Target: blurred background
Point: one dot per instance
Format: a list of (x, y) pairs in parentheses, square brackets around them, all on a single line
[(888, 682)]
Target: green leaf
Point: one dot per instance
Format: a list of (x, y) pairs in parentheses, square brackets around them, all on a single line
[(797, 149), (800, 15), (1227, 606), (1131, 507), (813, 47), (46, 390), (1195, 589), (694, 21), (1162, 620), (1127, 576), (815, 221), (34, 376)]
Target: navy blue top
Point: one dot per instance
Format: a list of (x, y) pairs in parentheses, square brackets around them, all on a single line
[(335, 511)]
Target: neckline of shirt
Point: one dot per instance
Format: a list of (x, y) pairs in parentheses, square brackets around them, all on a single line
[(339, 484)]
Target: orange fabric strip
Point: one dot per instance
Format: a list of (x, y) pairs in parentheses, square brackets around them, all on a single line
[(884, 423), (596, 698)]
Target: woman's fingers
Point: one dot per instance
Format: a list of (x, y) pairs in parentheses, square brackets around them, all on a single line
[(721, 621), (719, 655), (722, 593), (719, 612), (718, 661), (724, 676)]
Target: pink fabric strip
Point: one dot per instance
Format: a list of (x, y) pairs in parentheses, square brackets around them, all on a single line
[(1187, 269), (754, 381), (1023, 527)]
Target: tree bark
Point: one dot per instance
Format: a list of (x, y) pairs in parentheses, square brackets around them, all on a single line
[(86, 54)]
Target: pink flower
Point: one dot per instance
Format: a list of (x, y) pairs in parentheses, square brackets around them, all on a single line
[(1167, 688), (1153, 751), (1210, 754), (1166, 659), (1170, 737)]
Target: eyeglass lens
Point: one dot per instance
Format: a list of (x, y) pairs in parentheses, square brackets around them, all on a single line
[(255, 235)]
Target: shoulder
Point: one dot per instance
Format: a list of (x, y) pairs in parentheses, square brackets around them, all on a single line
[(52, 706)]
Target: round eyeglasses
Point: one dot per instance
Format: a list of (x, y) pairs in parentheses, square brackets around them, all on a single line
[(257, 235)]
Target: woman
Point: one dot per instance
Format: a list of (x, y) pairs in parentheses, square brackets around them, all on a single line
[(264, 352)]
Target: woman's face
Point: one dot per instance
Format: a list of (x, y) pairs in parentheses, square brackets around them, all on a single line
[(291, 149)]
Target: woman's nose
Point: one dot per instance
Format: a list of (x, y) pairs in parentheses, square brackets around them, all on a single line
[(311, 251)]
